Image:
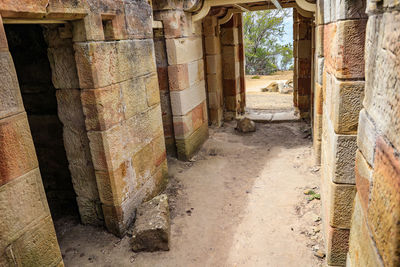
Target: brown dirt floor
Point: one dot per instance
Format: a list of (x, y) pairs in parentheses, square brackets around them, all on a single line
[(256, 99), (240, 202)]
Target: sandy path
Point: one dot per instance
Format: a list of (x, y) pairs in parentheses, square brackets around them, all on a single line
[(256, 99), (240, 203)]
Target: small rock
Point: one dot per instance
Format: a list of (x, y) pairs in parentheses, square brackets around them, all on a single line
[(315, 248), (246, 125), (316, 218), (319, 254), (151, 231), (273, 87)]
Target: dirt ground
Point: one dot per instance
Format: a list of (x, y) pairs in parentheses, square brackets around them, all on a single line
[(240, 202), (256, 99)]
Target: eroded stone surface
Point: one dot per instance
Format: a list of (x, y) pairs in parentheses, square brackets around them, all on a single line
[(151, 231)]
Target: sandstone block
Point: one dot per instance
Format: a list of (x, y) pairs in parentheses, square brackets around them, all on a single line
[(382, 90), (350, 9), (340, 153), (100, 64), (347, 102), (184, 50), (362, 251), (152, 227), (345, 51), (3, 37), (103, 107), (341, 205), (184, 101), (38, 246), (337, 246), (76, 145), (23, 202), (90, 211), (214, 82), (63, 67), (384, 208), (137, 94), (366, 138), (319, 40), (196, 71), (138, 17), (88, 29), (188, 146), (212, 45), (230, 54), (183, 125), (152, 90), (229, 36), (214, 64), (176, 23), (18, 154), (231, 71), (70, 110), (10, 95), (363, 179), (178, 77)]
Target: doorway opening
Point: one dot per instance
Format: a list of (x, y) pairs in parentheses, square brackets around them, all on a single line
[(268, 45), (29, 51)]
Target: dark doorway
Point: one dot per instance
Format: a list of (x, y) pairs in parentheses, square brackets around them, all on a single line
[(29, 51)]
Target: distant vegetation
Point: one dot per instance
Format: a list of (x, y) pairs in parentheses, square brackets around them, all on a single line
[(264, 53)]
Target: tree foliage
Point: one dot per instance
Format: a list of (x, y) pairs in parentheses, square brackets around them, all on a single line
[(262, 32)]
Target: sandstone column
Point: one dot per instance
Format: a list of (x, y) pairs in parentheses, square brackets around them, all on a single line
[(231, 67), (375, 228), (27, 233), (121, 102), (212, 44), (343, 89), (186, 76), (303, 58)]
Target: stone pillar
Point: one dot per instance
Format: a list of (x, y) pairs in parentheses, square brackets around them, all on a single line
[(242, 62), (231, 69), (343, 90), (70, 111), (27, 233), (212, 44), (121, 102), (375, 228), (303, 57), (163, 83), (186, 77), (318, 74)]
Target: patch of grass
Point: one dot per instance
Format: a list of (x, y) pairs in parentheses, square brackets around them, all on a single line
[(256, 77)]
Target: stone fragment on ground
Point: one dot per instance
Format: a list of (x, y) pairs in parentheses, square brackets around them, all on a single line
[(151, 230), (272, 87), (245, 125)]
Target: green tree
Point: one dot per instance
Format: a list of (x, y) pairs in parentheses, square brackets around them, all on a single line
[(262, 30)]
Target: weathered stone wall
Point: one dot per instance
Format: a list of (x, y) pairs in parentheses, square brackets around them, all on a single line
[(212, 48), (70, 112), (343, 90), (375, 228), (119, 93), (302, 54), (233, 73), (163, 83), (27, 235), (186, 76)]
